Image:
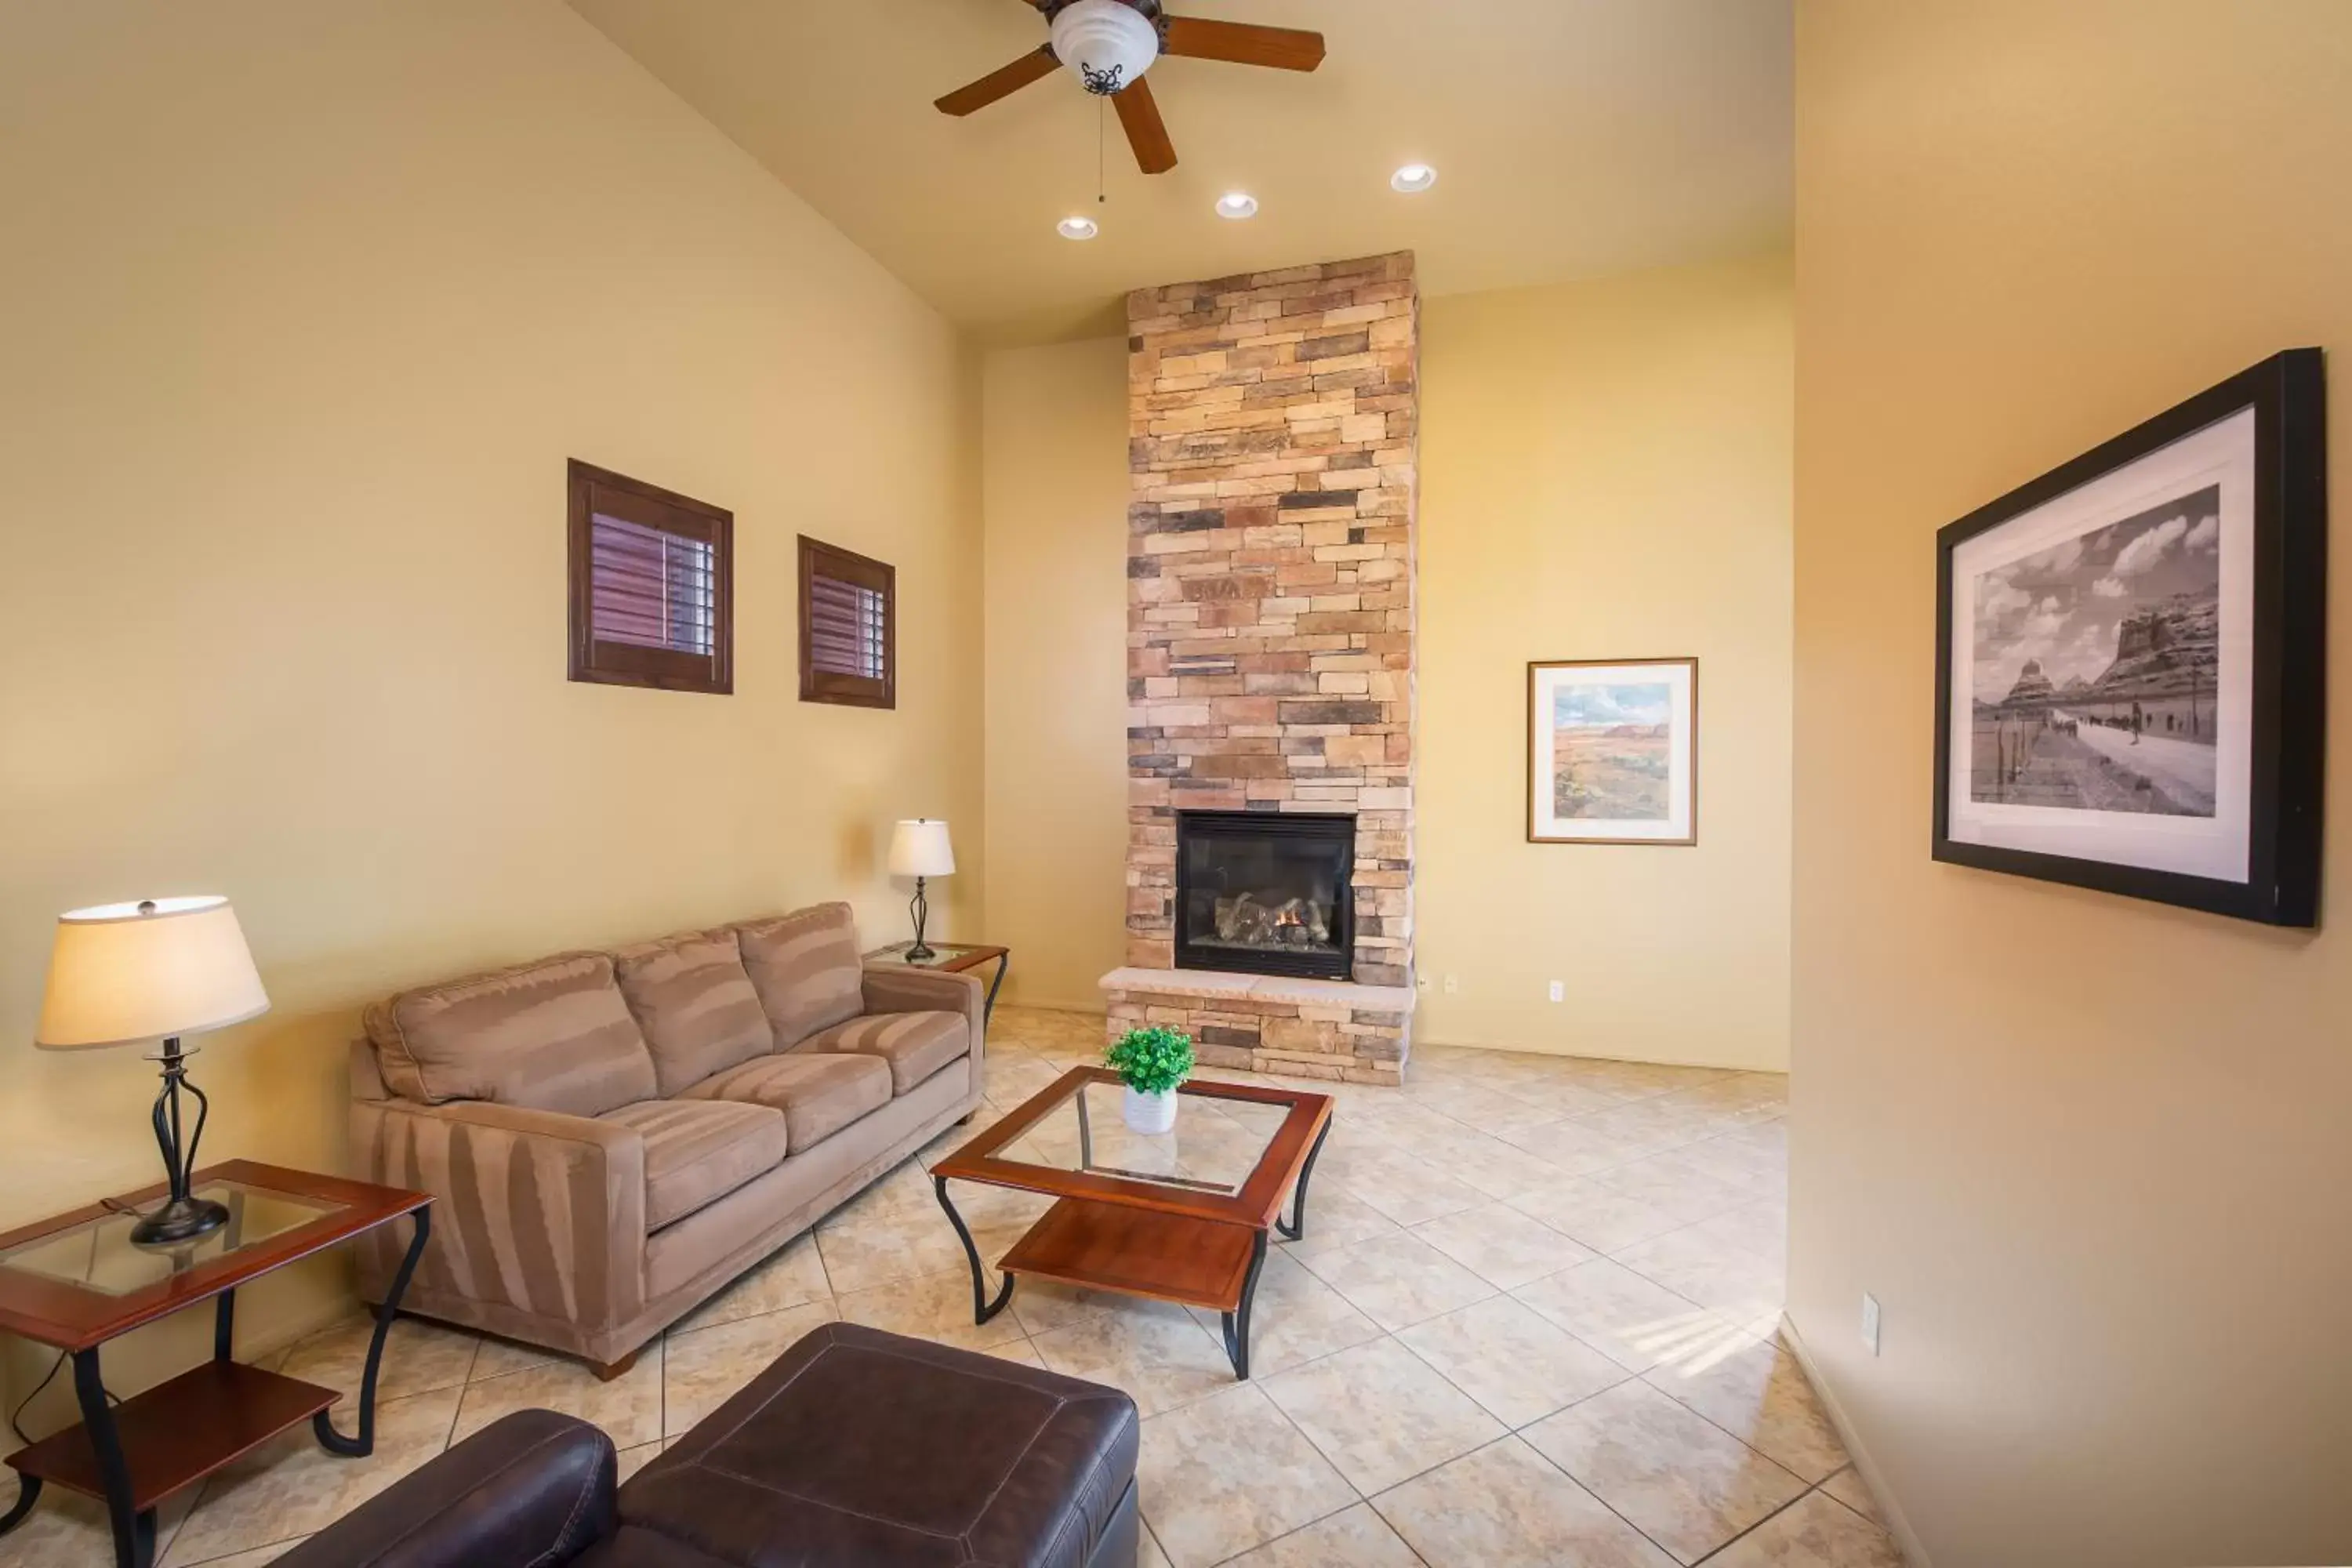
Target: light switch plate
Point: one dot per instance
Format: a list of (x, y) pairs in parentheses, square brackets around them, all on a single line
[(1870, 1321), (1559, 990)]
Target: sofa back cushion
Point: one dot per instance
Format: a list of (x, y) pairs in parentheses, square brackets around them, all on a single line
[(806, 967), (695, 1003), (554, 1035)]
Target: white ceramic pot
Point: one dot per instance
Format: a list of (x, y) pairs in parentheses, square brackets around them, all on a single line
[(1150, 1112)]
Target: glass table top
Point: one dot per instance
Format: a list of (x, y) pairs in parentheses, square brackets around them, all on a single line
[(942, 954), (99, 1254), (1214, 1146)]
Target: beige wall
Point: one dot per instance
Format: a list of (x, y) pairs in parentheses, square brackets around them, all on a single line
[(2090, 1153), (1055, 488), (1605, 475), (306, 306)]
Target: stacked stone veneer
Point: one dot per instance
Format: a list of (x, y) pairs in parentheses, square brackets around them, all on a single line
[(1272, 427)]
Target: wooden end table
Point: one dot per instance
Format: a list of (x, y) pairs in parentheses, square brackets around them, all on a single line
[(1177, 1216), (953, 957), (77, 1280)]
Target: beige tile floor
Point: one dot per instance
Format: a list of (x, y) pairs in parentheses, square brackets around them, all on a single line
[(1532, 1322)]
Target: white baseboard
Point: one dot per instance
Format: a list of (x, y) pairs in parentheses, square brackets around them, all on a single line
[(1456, 1042), (1891, 1511), (1092, 1004)]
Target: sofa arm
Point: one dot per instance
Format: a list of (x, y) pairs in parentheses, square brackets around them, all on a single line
[(533, 1487), (898, 988), (535, 1212)]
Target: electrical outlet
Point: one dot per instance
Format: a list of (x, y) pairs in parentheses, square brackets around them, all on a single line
[(1453, 983), (1870, 1321), (1559, 990)]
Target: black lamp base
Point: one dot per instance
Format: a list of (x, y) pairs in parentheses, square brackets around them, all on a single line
[(183, 1217), (920, 909), (178, 1220)]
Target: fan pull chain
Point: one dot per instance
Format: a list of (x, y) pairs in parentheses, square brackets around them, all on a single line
[(1102, 137)]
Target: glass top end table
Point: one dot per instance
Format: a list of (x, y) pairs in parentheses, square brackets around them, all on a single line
[(953, 958), (76, 1280), (1180, 1216)]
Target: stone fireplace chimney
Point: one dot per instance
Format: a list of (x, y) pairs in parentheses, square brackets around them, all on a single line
[(1271, 423)]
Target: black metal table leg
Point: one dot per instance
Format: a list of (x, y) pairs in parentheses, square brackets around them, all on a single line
[(988, 1008), (359, 1447), (1297, 1226), (134, 1529), (28, 1492), (1237, 1324), (982, 1309)]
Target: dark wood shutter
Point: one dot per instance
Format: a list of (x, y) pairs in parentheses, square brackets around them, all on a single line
[(849, 630), (652, 586)]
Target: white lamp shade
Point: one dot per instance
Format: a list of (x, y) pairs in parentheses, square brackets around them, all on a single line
[(919, 848), (1107, 44), (121, 974)]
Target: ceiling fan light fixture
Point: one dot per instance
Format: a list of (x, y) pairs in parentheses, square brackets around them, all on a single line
[(1237, 204), (1107, 44), (1077, 228), (1412, 177)]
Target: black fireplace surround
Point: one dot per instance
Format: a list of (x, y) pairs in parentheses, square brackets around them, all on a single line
[(1265, 892)]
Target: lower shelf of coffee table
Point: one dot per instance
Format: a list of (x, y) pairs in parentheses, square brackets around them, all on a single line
[(1137, 1252), (179, 1432)]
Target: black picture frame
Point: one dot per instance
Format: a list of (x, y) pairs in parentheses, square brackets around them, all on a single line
[(2288, 651)]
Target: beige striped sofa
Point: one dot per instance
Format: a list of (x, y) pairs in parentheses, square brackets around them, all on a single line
[(612, 1137)]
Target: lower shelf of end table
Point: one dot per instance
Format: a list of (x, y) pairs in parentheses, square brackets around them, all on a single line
[(179, 1432), (1138, 1252)]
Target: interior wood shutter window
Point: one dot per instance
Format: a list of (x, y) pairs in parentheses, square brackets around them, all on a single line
[(848, 628), (652, 579)]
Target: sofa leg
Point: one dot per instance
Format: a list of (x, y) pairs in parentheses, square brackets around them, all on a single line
[(607, 1371)]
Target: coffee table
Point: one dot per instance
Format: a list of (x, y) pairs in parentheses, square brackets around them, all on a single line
[(1177, 1217)]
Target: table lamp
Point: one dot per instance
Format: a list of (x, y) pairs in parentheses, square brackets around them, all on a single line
[(121, 975), (920, 848)]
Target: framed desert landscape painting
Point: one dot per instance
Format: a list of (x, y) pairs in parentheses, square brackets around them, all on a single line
[(2129, 659), (1612, 752)]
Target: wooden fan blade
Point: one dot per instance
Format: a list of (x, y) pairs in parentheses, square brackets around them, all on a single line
[(1002, 82), (1146, 131), (1244, 44)]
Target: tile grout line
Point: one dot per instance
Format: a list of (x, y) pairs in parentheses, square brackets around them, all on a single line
[(1785, 1507)]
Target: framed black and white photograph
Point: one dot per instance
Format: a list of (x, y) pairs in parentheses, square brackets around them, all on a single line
[(2130, 658)]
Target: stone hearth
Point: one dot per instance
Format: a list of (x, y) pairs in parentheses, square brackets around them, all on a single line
[(1272, 426)]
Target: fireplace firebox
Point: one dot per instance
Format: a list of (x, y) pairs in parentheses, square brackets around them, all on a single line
[(1265, 892)]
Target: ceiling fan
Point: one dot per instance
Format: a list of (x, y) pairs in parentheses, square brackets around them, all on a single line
[(1110, 44)]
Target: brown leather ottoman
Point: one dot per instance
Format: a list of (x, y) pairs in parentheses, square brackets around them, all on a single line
[(859, 1446), (856, 1450)]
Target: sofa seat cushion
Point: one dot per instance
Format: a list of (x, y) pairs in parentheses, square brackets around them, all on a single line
[(807, 969), (819, 1095), (698, 1150), (695, 1003), (916, 1045), (554, 1035), (861, 1447)]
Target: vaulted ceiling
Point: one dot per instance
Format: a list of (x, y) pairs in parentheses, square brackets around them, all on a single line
[(1571, 137)]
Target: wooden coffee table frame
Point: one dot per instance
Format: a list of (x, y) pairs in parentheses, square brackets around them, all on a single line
[(1137, 1236), (134, 1455)]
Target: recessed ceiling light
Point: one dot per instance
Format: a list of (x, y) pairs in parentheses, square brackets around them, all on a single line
[(1077, 228), (1414, 177), (1237, 204)]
